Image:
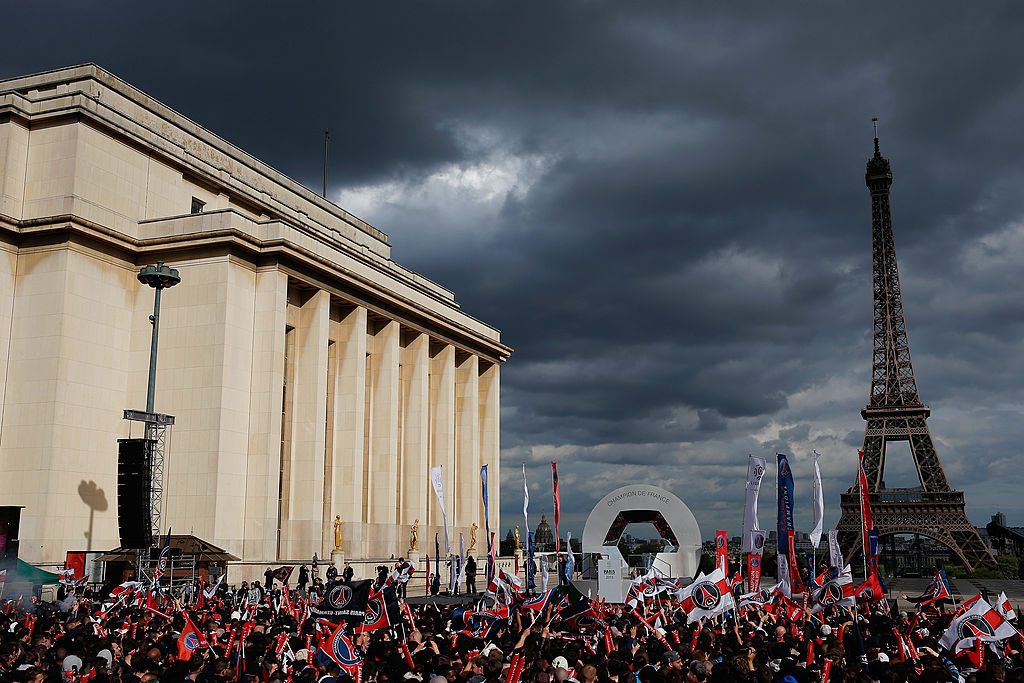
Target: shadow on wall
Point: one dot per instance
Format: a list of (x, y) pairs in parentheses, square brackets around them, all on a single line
[(93, 496)]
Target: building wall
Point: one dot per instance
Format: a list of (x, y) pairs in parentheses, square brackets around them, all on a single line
[(310, 376)]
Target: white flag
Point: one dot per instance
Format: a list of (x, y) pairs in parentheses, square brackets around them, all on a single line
[(437, 481), (835, 554), (543, 573), (526, 502), (462, 563), (782, 574), (755, 471), (981, 622), (819, 504), (1004, 607)]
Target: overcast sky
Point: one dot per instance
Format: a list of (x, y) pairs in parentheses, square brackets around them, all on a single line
[(660, 205)]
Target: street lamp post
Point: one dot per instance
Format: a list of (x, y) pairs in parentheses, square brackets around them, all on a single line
[(159, 277)]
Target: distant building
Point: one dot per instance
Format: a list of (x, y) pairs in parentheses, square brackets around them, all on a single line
[(311, 375), (543, 538)]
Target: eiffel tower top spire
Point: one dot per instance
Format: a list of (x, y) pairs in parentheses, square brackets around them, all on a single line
[(892, 375)]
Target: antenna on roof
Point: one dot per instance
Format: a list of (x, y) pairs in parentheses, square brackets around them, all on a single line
[(327, 139)]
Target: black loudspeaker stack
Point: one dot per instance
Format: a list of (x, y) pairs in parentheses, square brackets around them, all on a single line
[(10, 521), (134, 488)]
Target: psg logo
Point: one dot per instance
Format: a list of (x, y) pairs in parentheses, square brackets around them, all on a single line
[(340, 595), (758, 541), (720, 541), (705, 595), (374, 609), (831, 594), (975, 627), (191, 641), (343, 650), (784, 469), (755, 562)]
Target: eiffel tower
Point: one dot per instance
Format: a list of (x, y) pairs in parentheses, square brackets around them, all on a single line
[(895, 413)]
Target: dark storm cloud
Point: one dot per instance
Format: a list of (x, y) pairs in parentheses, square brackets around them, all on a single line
[(660, 205)]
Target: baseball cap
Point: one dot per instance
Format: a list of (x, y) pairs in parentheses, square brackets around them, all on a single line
[(560, 663)]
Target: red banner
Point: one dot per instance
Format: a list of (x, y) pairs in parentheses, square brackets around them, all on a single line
[(753, 573), (558, 507), (796, 585), (722, 550), (865, 504)]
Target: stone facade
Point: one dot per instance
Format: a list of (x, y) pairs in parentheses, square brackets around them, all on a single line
[(310, 375)]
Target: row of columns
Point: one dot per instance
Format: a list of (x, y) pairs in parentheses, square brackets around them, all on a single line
[(368, 407)]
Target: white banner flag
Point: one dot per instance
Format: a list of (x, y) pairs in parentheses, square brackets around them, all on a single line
[(437, 481), (543, 573), (526, 502), (462, 563), (757, 542), (782, 574), (755, 471), (819, 504), (835, 554)]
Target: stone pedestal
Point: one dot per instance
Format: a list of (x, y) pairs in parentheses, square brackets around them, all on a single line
[(338, 560)]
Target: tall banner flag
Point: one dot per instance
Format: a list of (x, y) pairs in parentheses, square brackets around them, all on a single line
[(531, 583), (526, 500), (483, 494), (544, 573), (437, 481), (755, 471), (754, 558), (867, 524), (437, 561), (570, 560), (558, 506), (834, 553), (785, 524), (722, 550), (819, 504), (165, 556)]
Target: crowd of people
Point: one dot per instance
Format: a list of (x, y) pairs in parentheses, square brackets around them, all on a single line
[(272, 636)]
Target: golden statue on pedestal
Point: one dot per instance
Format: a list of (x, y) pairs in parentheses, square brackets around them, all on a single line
[(472, 538), (517, 538), (337, 532), (414, 536)]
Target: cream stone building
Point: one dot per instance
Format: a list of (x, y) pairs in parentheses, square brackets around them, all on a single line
[(309, 374)]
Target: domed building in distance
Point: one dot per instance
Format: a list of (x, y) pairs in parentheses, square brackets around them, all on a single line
[(543, 539)]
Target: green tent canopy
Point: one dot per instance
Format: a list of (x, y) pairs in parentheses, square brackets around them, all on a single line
[(27, 573)]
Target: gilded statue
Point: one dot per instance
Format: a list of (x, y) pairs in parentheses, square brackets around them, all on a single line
[(337, 532), (414, 536), (517, 538), (472, 538)]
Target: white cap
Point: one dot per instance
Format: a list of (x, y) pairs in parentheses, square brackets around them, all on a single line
[(106, 654), (826, 630), (72, 662), (882, 657), (560, 662)]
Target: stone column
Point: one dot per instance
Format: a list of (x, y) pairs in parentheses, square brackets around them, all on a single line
[(467, 421), (442, 431), (490, 453), (308, 408), (267, 378), (416, 392), (383, 476), (347, 490)]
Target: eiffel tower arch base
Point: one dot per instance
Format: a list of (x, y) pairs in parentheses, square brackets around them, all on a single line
[(902, 512)]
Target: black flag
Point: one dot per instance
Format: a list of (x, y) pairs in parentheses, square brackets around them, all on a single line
[(344, 600)]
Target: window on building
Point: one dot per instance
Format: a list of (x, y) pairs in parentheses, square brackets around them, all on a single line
[(197, 206)]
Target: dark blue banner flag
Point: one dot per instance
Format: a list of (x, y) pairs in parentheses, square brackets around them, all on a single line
[(530, 583), (785, 504)]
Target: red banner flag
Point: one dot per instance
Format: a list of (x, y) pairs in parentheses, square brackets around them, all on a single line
[(865, 505), (558, 506), (722, 550)]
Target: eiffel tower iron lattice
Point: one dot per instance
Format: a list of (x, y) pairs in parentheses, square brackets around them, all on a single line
[(895, 413)]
